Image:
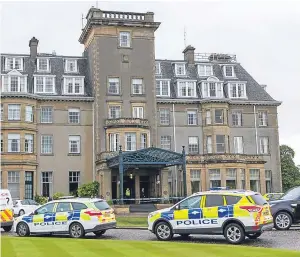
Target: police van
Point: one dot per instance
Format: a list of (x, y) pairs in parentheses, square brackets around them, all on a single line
[(6, 210), (75, 217), (236, 214)]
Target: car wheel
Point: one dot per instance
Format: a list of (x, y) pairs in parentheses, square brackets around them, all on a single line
[(7, 228), (282, 221), (99, 233), (76, 230), (21, 212), (254, 236), (234, 233), (163, 231), (22, 229)]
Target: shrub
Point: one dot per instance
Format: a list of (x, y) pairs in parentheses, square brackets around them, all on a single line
[(89, 189), (57, 195), (41, 199)]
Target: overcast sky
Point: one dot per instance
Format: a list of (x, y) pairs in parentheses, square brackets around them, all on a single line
[(263, 34)]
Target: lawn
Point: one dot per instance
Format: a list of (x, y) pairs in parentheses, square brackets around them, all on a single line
[(67, 247), (131, 221)]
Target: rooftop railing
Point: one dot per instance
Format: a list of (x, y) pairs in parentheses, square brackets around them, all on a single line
[(209, 57)]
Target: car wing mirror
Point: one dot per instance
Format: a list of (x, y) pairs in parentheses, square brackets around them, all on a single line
[(177, 207)]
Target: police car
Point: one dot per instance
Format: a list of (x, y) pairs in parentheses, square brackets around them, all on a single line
[(75, 217), (236, 214)]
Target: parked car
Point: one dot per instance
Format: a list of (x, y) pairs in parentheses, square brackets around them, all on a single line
[(22, 207), (286, 210), (6, 210), (273, 196), (75, 217), (236, 214)]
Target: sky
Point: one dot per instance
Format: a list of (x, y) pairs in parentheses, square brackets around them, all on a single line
[(263, 34)]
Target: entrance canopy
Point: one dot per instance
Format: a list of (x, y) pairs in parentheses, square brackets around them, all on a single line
[(149, 157)]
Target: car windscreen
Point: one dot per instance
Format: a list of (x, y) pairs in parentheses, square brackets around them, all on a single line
[(292, 194), (258, 199), (102, 205)]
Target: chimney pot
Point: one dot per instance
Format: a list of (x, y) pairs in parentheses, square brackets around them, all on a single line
[(189, 54), (33, 44)]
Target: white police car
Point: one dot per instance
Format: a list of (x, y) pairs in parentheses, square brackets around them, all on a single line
[(236, 214), (75, 217)]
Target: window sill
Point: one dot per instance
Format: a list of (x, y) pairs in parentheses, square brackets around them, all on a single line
[(74, 154), (110, 94), (14, 120), (47, 154), (164, 125), (74, 124), (138, 95), (46, 122), (125, 47)]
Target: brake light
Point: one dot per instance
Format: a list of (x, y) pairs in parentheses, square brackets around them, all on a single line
[(251, 208), (93, 213)]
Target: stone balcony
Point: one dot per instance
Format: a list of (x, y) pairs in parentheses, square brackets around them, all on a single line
[(225, 158), (20, 158), (127, 122)]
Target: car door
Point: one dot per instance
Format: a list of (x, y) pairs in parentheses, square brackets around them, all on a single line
[(297, 209), (214, 211), (62, 212), (43, 218), (186, 214)]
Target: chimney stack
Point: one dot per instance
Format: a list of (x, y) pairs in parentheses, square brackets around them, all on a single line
[(189, 53), (33, 44)]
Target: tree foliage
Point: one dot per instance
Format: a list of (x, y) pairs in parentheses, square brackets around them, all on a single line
[(89, 189), (57, 195), (290, 172)]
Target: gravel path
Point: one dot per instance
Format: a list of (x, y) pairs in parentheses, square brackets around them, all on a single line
[(271, 239)]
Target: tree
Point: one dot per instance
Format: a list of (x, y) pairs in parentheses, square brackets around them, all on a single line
[(290, 172), (89, 189)]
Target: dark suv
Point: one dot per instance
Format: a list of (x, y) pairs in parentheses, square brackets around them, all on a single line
[(286, 210)]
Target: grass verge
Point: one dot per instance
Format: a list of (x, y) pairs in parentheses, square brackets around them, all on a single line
[(132, 221), (66, 247)]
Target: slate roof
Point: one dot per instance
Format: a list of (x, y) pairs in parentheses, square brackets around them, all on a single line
[(57, 68), (255, 92)]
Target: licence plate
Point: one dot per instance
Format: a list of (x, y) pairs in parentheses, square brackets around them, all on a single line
[(266, 213), (106, 215)]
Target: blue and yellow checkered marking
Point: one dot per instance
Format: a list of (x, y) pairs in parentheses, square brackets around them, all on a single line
[(49, 217), (225, 211)]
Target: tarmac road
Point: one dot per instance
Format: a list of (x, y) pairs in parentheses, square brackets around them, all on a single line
[(272, 239)]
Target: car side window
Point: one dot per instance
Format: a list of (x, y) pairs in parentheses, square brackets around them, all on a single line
[(45, 209), (231, 199), (214, 200), (25, 202), (191, 203), (63, 207), (78, 206), (32, 202)]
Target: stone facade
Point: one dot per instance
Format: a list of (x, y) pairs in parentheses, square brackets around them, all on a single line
[(126, 97)]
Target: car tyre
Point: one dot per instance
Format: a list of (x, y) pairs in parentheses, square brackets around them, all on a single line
[(283, 221), (22, 229), (254, 236), (21, 212), (76, 230), (163, 231), (234, 233), (7, 228), (99, 233)]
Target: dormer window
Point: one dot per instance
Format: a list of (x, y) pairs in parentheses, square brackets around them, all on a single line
[(43, 65), (205, 70), (14, 84), (228, 71), (74, 85), (71, 65), (163, 87), (212, 88), (14, 63), (237, 90), (186, 88), (157, 68), (44, 84), (179, 69)]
